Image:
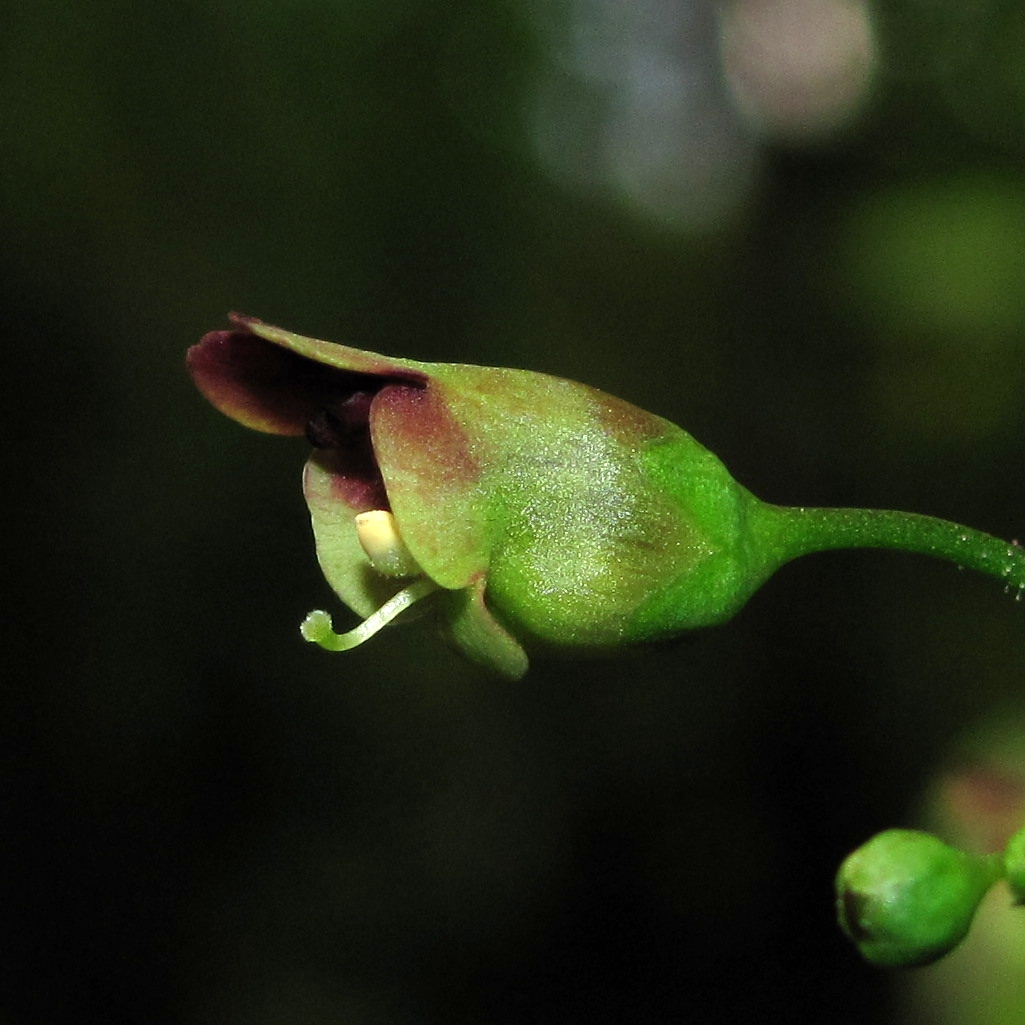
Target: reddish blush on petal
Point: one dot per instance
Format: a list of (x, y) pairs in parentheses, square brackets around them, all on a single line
[(355, 479), (627, 423), (431, 474)]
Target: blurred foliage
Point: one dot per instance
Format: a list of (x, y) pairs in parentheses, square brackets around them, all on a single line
[(205, 820)]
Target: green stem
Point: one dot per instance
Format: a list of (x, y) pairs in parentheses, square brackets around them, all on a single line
[(799, 531)]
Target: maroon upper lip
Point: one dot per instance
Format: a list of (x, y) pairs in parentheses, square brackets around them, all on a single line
[(268, 386)]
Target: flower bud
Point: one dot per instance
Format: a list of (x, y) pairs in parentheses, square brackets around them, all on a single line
[(906, 898), (1014, 864)]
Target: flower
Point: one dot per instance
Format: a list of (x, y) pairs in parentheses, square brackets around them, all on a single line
[(533, 513), (540, 513)]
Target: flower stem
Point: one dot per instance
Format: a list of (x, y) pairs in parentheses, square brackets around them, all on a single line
[(795, 531)]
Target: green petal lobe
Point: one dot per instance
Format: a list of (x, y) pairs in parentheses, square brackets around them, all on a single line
[(344, 563), (432, 480)]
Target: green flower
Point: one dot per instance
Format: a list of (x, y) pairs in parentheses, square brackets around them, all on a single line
[(537, 513), (906, 898)]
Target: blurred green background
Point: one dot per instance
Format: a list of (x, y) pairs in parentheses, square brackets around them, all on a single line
[(795, 227)]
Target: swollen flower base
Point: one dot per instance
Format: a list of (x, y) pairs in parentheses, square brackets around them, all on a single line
[(526, 512)]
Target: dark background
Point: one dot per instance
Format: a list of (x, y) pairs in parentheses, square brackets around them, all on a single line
[(203, 819)]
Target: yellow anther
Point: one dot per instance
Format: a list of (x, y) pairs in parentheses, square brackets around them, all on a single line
[(379, 537)]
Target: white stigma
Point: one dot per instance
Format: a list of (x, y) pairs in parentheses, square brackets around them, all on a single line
[(379, 537)]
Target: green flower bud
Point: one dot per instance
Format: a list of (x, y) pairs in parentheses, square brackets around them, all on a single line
[(906, 898), (1014, 865), (539, 514)]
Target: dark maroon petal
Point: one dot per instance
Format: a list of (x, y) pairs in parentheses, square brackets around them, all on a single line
[(341, 424), (265, 386)]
